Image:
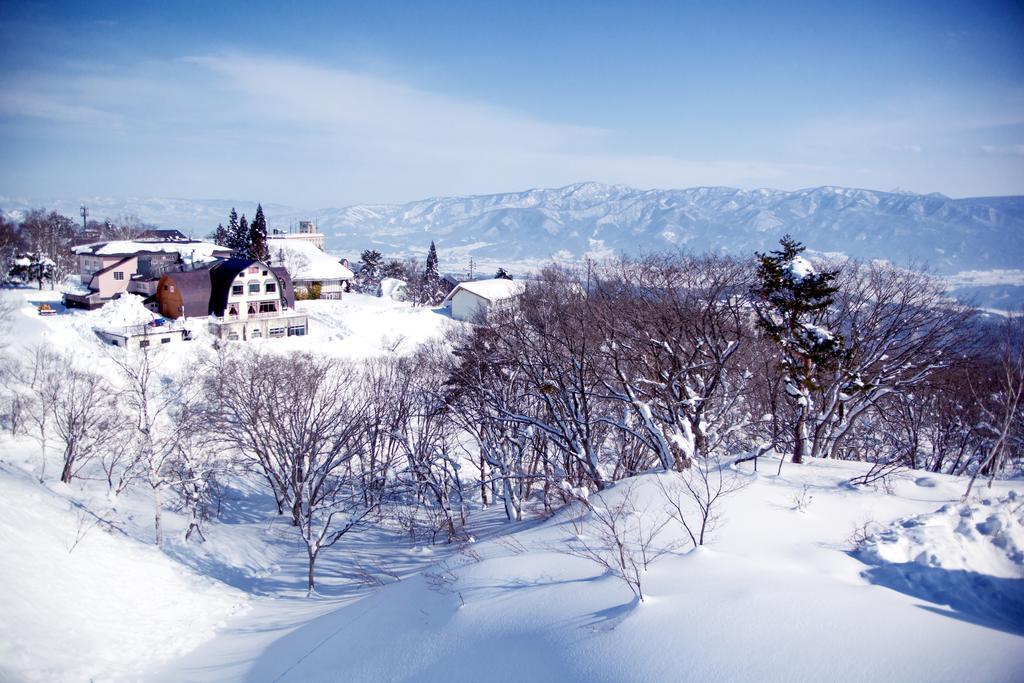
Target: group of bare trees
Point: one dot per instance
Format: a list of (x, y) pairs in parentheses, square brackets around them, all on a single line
[(665, 360), (593, 375), (37, 248), (137, 425)]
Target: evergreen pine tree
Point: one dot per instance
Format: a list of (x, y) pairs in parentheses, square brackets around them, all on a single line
[(368, 279), (231, 233), (241, 246), (393, 268), (257, 246), (502, 274), (430, 292), (791, 298), (220, 236)]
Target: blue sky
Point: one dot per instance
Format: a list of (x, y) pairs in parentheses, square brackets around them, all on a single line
[(382, 102)]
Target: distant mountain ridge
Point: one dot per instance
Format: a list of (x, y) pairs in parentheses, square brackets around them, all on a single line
[(949, 235)]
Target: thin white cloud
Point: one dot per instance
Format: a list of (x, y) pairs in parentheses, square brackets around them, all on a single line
[(1003, 150), (238, 125)]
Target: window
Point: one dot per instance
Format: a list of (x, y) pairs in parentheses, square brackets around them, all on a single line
[(165, 340), (264, 273), (254, 269), (233, 336), (144, 343), (297, 331), (254, 288), (271, 287), (118, 275), (256, 333), (268, 307), (277, 331), (237, 290)]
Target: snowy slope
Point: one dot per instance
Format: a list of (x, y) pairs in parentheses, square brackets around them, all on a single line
[(777, 596), (86, 601), (786, 590)]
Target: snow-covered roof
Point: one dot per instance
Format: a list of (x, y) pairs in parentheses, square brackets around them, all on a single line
[(305, 261), (195, 249), (492, 290)]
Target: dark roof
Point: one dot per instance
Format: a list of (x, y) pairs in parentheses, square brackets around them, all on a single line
[(205, 291), (287, 289), (164, 235), (222, 275), (194, 286)]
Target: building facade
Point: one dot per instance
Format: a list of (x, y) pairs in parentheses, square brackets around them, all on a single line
[(107, 269), (242, 299)]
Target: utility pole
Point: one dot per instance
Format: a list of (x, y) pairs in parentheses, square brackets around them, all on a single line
[(85, 215)]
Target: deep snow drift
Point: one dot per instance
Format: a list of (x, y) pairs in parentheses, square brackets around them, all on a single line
[(83, 599), (777, 595)]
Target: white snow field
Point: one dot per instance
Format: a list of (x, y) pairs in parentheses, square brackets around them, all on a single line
[(805, 578)]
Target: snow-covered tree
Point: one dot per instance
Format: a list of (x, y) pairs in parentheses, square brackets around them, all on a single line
[(34, 267), (159, 408), (233, 239), (672, 327), (792, 301), (369, 276), (430, 289), (48, 238)]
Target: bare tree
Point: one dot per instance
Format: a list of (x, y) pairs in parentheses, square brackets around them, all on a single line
[(429, 471), (672, 327), (301, 420), (156, 405), (43, 372), (898, 329), (1002, 402), (694, 496), (292, 260), (85, 418), (123, 227), (548, 337), (484, 394), (612, 530)]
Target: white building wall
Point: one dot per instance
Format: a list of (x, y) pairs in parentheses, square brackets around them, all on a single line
[(469, 307)]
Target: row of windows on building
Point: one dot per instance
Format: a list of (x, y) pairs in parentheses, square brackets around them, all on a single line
[(273, 332), (254, 288)]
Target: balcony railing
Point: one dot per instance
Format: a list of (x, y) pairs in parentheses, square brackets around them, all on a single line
[(286, 313)]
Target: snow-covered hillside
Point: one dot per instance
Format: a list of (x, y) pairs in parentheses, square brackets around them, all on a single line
[(805, 576), (777, 595)]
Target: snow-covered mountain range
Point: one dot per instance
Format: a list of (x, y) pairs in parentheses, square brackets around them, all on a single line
[(949, 235)]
